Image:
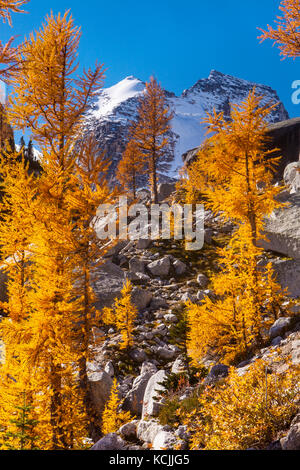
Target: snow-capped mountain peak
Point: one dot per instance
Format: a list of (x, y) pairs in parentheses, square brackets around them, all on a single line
[(111, 98), (115, 107)]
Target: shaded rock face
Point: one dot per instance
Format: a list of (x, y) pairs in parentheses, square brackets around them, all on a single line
[(286, 137), (100, 384), (282, 229), (108, 282), (190, 156), (288, 275), (165, 190), (3, 287), (216, 373)]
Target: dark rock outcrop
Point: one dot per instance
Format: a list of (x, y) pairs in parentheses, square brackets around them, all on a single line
[(285, 136)]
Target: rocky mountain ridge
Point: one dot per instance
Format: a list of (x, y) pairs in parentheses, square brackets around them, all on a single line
[(113, 109)]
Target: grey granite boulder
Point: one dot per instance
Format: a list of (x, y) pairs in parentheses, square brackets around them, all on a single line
[(279, 327), (100, 384), (110, 442), (160, 267), (164, 440), (143, 244), (141, 298), (108, 282), (180, 267), (147, 430), (136, 265), (292, 440), (202, 280), (288, 275), (134, 399), (282, 229), (150, 403), (291, 177), (128, 430), (165, 353)]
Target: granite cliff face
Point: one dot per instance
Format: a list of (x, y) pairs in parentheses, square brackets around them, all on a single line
[(109, 116)]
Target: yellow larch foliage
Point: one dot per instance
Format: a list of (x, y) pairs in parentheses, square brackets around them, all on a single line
[(90, 190), (47, 96), (12, 399), (150, 132), (234, 171), (10, 6), (50, 100), (234, 174), (48, 349), (112, 417), (8, 53), (248, 301), (247, 410), (122, 315), (130, 167), (286, 34), (18, 190), (18, 203)]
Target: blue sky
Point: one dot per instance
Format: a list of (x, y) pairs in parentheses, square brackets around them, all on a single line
[(178, 41)]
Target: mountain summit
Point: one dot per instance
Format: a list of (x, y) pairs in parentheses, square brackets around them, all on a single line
[(113, 109)]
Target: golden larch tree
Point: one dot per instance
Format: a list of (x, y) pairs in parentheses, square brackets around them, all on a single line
[(90, 191), (130, 168), (122, 315), (235, 173), (234, 167), (113, 418), (18, 203), (50, 99), (19, 191), (248, 301), (151, 132)]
